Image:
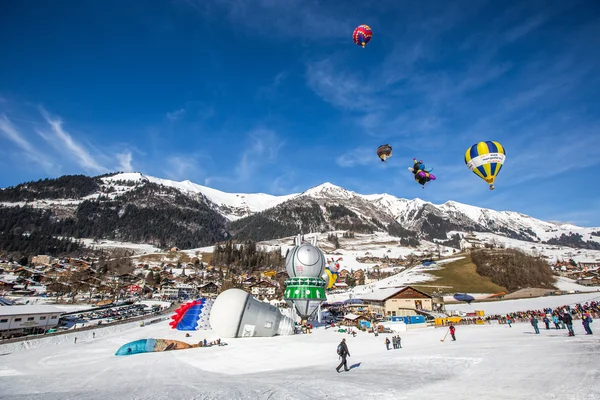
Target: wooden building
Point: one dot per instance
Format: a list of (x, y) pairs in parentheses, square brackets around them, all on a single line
[(397, 301), (264, 290)]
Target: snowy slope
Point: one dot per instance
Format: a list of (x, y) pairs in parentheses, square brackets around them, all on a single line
[(486, 362), (232, 205), (403, 210), (411, 214)]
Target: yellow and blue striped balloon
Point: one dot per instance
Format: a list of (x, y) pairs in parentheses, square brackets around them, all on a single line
[(485, 159)]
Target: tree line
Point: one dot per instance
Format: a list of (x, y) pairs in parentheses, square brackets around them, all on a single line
[(513, 269), (246, 257)]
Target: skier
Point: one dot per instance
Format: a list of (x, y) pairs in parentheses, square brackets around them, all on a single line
[(452, 331), (568, 320), (387, 343), (75, 340), (343, 353), (534, 323), (509, 322)]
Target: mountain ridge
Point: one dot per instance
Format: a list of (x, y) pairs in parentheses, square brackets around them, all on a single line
[(261, 216)]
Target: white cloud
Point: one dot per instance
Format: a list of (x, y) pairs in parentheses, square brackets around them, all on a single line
[(280, 19), (176, 115), (125, 160), (66, 142), (262, 148), (357, 157), (183, 167), (33, 154)]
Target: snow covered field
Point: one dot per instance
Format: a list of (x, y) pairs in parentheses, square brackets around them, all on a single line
[(491, 362), (536, 303)]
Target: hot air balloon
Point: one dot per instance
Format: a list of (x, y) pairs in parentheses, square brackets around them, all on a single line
[(362, 35), (192, 316), (485, 159), (384, 152)]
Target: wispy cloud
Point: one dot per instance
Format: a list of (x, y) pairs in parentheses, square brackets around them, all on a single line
[(286, 184), (32, 154), (356, 157), (261, 149), (176, 115), (275, 19), (183, 167), (124, 160), (66, 141), (269, 91)]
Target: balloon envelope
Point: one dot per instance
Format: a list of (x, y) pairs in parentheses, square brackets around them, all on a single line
[(485, 159), (362, 35), (384, 151)]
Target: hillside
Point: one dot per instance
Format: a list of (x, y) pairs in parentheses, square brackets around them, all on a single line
[(148, 213), (134, 207), (460, 276), (513, 269)]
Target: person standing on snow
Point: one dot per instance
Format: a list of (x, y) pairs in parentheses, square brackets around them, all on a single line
[(387, 343), (534, 323), (546, 322), (568, 320), (555, 321), (509, 322), (343, 353), (586, 321), (452, 331)]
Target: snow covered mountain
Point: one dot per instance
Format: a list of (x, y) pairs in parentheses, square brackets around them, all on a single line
[(260, 216)]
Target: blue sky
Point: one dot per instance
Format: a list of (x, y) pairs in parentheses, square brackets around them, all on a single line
[(273, 96)]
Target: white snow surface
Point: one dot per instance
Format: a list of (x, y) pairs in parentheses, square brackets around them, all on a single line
[(137, 248), (536, 303), (486, 362), (251, 202)]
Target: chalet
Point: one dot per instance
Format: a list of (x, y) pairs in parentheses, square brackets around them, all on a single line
[(470, 241), (589, 281), (359, 273), (6, 286), (42, 260), (209, 288), (282, 275), (397, 301), (589, 265), (264, 290), (249, 281)]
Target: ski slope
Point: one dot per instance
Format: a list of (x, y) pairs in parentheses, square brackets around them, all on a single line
[(486, 362)]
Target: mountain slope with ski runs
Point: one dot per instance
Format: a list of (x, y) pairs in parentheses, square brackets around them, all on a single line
[(262, 217)]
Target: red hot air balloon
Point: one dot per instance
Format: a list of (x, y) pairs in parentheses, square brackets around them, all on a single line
[(362, 35)]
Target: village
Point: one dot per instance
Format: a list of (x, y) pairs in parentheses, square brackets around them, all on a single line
[(121, 287)]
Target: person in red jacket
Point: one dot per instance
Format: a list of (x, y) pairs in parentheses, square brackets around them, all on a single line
[(452, 331)]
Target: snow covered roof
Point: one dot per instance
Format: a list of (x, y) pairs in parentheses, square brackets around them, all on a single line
[(30, 309), (385, 293), (351, 316), (381, 294)]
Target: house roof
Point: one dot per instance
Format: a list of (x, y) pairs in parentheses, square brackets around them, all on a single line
[(29, 309), (385, 293)]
